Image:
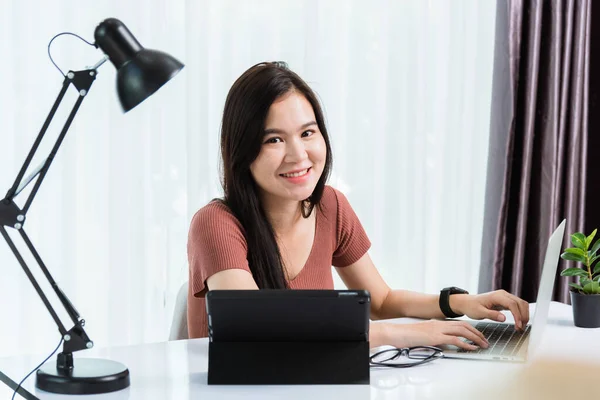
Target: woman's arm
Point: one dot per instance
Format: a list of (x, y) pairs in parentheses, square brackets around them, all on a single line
[(427, 333), (231, 279), (385, 302)]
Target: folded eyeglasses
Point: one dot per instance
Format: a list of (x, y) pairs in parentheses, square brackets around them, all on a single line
[(405, 357)]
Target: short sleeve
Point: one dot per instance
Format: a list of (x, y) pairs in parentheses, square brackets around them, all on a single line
[(352, 240), (216, 242)]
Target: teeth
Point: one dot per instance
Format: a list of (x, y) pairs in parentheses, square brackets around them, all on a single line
[(295, 174)]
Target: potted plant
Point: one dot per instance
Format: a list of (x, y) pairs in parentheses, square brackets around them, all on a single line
[(585, 295)]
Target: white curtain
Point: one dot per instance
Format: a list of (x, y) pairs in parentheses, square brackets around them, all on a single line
[(406, 89)]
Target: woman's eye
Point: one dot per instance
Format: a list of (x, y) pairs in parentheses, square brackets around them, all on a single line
[(307, 133), (273, 140)]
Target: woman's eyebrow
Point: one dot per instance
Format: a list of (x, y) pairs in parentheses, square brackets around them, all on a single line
[(281, 131)]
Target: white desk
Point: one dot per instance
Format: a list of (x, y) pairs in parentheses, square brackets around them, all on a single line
[(178, 370)]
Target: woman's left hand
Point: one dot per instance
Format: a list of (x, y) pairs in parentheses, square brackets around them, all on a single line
[(489, 305)]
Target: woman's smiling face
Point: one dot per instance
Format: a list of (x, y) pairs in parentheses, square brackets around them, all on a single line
[(293, 151)]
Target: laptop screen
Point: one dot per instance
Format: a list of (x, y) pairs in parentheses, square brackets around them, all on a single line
[(546, 288)]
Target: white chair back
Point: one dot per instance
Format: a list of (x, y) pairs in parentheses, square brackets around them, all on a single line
[(179, 326)]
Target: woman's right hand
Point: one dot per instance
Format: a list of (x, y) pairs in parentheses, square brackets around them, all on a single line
[(430, 333)]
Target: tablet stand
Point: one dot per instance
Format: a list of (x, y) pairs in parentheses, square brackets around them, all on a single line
[(288, 363)]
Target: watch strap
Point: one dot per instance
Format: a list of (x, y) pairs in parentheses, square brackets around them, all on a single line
[(445, 301)]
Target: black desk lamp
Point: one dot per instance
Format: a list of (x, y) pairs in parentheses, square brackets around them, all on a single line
[(140, 72)]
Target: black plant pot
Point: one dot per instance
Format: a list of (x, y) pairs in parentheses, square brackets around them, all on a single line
[(586, 310)]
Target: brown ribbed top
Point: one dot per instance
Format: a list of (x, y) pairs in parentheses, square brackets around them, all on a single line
[(216, 242)]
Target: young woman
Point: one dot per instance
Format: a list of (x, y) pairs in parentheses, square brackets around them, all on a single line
[(280, 226)]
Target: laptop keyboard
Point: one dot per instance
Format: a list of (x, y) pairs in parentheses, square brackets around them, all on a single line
[(504, 339)]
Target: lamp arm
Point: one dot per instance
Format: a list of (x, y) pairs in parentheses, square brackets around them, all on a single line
[(12, 192), (33, 281), (14, 217)]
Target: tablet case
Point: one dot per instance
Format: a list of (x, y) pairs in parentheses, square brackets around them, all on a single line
[(287, 337)]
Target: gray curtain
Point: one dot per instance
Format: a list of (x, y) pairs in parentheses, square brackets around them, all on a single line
[(538, 151)]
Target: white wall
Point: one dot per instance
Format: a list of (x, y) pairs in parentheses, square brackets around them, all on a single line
[(405, 87)]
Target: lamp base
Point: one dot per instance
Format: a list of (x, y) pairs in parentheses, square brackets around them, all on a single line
[(88, 376)]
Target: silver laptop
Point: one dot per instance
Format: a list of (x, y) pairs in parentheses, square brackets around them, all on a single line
[(506, 343)]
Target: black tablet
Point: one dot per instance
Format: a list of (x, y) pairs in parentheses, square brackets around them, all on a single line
[(288, 315)]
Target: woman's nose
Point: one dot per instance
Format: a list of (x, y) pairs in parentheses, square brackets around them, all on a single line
[(295, 151)]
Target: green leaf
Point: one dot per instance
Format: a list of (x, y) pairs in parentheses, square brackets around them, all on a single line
[(573, 257), (589, 239), (584, 280), (596, 246), (587, 288), (578, 240), (593, 259), (573, 272), (576, 251), (597, 268), (576, 286), (592, 288)]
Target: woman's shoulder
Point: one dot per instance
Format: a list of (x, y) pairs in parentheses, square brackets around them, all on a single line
[(214, 215), (333, 199)]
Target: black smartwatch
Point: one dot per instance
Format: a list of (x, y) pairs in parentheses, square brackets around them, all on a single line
[(445, 301)]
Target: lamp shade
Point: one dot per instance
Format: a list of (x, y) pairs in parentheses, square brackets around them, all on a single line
[(140, 71)]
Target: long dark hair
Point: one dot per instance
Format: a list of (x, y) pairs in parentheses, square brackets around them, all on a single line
[(242, 131)]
